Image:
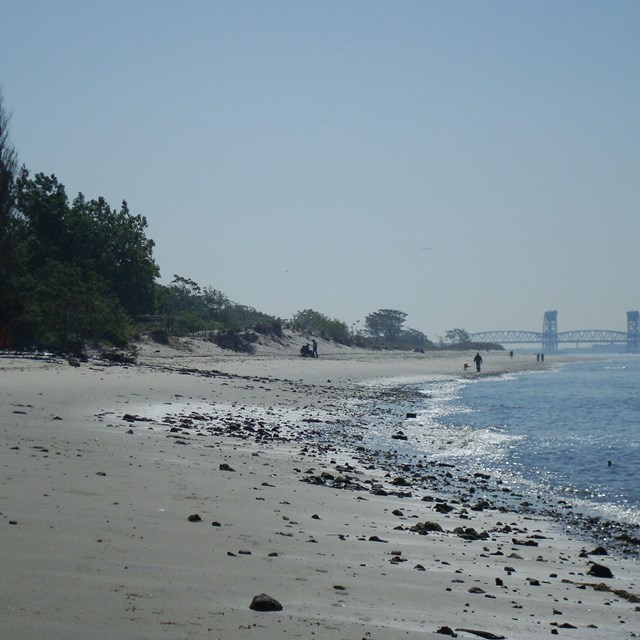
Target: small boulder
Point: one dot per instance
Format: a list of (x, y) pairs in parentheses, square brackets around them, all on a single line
[(600, 571), (264, 602)]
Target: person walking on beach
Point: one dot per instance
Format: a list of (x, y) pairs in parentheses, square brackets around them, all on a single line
[(314, 342), (478, 361)]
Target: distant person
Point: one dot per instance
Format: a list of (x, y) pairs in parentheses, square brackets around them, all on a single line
[(511, 353), (542, 357), (478, 361), (314, 342), (538, 357)]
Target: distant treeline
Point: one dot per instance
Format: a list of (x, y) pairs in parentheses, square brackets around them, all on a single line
[(77, 272)]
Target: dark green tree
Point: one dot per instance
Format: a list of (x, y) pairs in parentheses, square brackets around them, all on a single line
[(69, 305), (413, 339), (318, 323), (90, 235), (115, 243), (103, 254), (43, 203), (385, 324), (458, 337), (11, 231)]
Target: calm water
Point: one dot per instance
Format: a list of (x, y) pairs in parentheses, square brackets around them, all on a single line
[(553, 431)]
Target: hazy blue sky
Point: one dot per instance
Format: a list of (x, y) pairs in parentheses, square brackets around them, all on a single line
[(306, 154)]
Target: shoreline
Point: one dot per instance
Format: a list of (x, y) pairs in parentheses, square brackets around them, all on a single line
[(101, 496)]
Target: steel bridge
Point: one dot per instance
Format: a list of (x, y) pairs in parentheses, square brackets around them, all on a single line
[(549, 338)]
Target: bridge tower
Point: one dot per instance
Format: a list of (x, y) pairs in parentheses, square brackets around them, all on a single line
[(550, 332), (633, 331)]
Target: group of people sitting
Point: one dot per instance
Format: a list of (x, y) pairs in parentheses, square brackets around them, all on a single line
[(307, 351)]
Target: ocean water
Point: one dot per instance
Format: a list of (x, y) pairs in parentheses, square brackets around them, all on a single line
[(571, 432)]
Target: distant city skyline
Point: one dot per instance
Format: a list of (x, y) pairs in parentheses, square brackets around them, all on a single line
[(473, 164)]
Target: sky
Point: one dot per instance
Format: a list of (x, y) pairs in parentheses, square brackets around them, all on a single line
[(471, 163)]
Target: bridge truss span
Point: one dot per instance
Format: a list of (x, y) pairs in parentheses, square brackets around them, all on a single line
[(592, 335), (507, 337), (550, 337), (528, 337)]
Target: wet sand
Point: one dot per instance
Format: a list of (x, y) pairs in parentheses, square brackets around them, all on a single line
[(156, 500)]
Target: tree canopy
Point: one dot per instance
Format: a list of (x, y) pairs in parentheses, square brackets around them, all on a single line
[(11, 229), (313, 321), (458, 336), (385, 323), (98, 259)]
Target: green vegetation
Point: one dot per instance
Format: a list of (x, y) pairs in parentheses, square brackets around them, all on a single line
[(310, 321), (184, 308), (85, 269), (457, 337), (385, 327), (460, 339)]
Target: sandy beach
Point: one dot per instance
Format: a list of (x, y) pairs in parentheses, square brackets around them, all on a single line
[(156, 500)]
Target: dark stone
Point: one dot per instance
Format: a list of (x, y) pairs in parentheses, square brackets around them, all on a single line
[(600, 571), (215, 523), (524, 543), (469, 533), (447, 631), (225, 467), (598, 551), (412, 415), (443, 507), (264, 602), (194, 517), (425, 527)]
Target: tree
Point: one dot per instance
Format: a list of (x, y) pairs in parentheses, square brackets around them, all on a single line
[(385, 324), (11, 228), (44, 205), (308, 320), (90, 235), (414, 339), (457, 337), (320, 324), (116, 244), (69, 305)]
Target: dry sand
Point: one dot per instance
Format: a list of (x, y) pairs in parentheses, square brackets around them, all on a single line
[(97, 541)]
